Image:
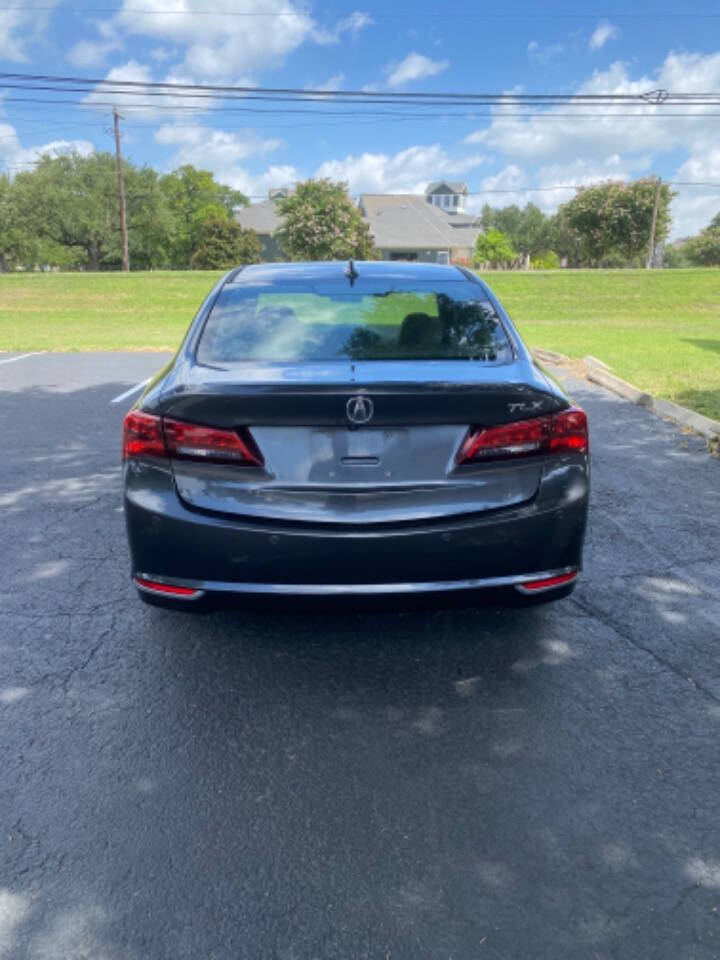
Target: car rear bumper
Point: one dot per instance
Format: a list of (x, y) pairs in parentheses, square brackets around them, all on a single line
[(197, 589), (172, 544)]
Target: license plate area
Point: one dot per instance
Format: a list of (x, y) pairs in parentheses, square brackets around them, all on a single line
[(341, 455), (335, 456)]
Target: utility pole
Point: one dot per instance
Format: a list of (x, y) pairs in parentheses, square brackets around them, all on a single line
[(121, 193), (653, 225)]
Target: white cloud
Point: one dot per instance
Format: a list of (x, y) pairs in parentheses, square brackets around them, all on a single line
[(223, 152), (544, 54), (141, 102), (20, 28), (408, 171), (226, 155), (89, 53), (602, 33), (563, 147), (512, 177), (332, 83), (161, 54), (352, 24), (230, 147), (27, 156), (257, 185), (355, 22), (694, 207), (560, 133), (414, 66), (237, 39), (252, 35), (17, 158), (133, 72)]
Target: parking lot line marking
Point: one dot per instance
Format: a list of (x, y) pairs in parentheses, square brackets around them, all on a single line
[(131, 391), (23, 356)]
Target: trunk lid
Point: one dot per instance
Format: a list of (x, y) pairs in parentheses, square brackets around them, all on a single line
[(320, 468)]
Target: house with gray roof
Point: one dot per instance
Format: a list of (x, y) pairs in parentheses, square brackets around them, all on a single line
[(264, 218), (404, 226), (407, 226)]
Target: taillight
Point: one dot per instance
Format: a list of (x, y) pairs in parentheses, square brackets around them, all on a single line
[(146, 435), (142, 436), (188, 441), (569, 431), (557, 433)]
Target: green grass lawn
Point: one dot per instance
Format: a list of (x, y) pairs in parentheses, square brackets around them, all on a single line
[(658, 329), (99, 311)]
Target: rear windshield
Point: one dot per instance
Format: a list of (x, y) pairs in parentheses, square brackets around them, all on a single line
[(296, 322)]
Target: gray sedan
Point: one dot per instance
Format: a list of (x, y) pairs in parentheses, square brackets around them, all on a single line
[(353, 428)]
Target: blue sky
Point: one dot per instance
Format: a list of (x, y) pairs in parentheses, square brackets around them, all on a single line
[(418, 46)]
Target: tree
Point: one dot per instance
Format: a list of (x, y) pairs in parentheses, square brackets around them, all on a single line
[(322, 223), (17, 244), (704, 249), (545, 260), (493, 247), (675, 255), (222, 243), (150, 221), (566, 241), (612, 219), (192, 195), (528, 229), (70, 204)]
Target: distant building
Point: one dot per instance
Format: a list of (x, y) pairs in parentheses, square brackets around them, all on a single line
[(265, 220), (279, 193), (449, 195), (412, 227), (433, 228)]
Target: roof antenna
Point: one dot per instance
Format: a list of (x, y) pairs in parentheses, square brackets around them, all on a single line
[(350, 272)]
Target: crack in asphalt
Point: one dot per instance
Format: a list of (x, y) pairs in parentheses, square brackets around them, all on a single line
[(608, 621)]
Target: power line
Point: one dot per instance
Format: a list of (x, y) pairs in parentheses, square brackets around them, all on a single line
[(376, 15), (489, 191), (167, 112), (496, 114), (548, 189), (72, 84)]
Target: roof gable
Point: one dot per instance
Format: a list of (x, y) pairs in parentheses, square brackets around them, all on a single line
[(446, 186), (408, 221)]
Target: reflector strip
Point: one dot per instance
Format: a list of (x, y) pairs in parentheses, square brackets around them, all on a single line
[(168, 588), (550, 581)]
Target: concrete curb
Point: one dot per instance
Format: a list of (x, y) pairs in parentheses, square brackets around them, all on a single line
[(689, 418), (599, 372), (593, 361), (548, 356), (622, 387)]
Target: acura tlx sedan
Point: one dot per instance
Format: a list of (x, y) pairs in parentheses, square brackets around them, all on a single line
[(353, 428)]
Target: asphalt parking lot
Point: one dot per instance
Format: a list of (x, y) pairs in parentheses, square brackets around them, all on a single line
[(459, 783)]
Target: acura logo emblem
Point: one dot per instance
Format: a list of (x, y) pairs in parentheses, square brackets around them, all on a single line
[(359, 409)]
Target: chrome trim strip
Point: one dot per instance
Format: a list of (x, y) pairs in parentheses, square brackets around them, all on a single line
[(358, 589)]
